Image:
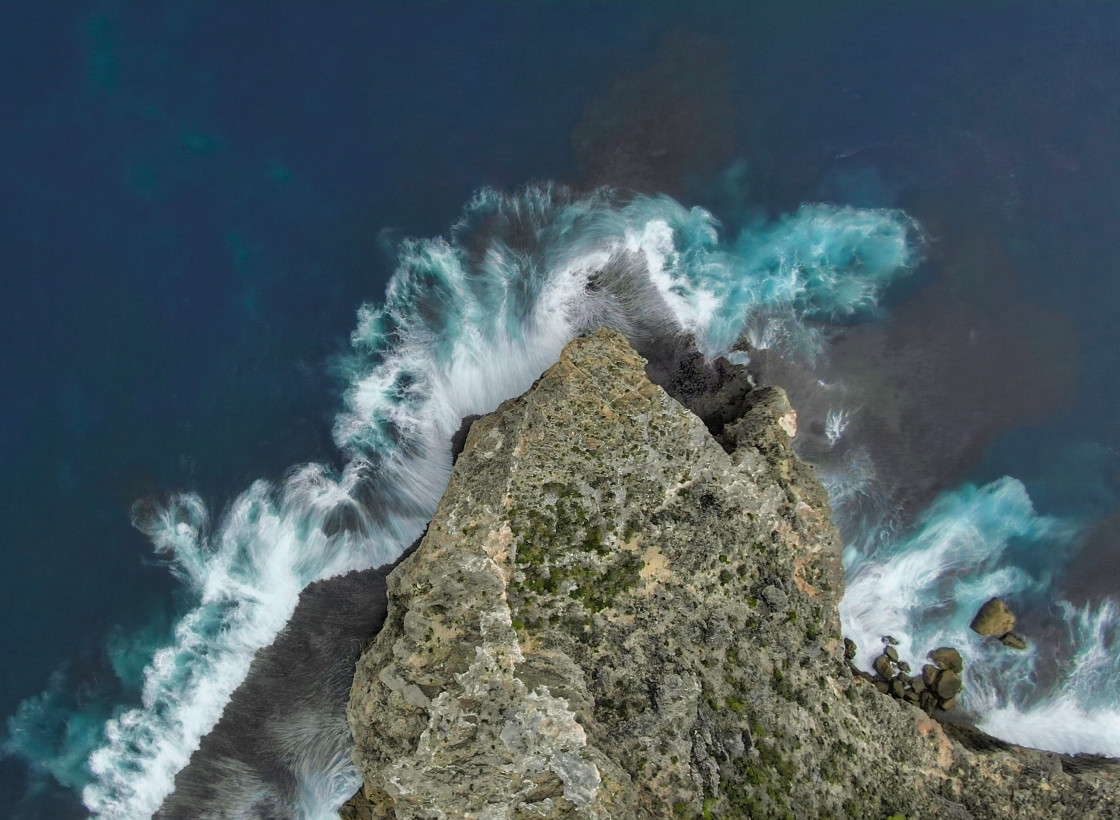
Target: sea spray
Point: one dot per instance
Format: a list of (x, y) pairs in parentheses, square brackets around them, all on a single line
[(467, 321), (924, 589), (1080, 714)]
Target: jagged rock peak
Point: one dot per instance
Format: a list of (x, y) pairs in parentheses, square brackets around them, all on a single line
[(616, 615)]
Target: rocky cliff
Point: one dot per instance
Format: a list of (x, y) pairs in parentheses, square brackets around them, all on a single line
[(621, 610)]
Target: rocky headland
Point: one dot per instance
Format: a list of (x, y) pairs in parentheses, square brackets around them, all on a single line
[(626, 607)]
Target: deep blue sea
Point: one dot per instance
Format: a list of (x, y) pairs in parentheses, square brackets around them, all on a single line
[(912, 211)]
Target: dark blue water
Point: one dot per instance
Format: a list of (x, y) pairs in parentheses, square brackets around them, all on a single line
[(196, 199)]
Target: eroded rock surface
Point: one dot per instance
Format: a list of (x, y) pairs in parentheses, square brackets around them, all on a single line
[(616, 613)]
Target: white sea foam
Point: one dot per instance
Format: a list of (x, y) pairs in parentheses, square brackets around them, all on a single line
[(835, 423)]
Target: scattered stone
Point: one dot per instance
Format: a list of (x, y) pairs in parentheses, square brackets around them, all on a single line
[(994, 618), (938, 684), (950, 704), (1013, 640), (850, 649), (890, 640), (947, 658)]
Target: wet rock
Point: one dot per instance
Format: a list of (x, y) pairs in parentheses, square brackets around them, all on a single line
[(882, 667), (993, 618), (947, 658), (891, 653), (1013, 640), (930, 674), (948, 685), (850, 649)]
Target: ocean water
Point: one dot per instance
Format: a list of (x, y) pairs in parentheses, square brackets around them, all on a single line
[(907, 213)]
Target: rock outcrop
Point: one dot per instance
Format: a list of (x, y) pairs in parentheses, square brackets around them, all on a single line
[(620, 611)]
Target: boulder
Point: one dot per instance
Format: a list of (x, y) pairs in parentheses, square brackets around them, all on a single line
[(1013, 640), (994, 618), (882, 666), (946, 657), (929, 675), (948, 685)]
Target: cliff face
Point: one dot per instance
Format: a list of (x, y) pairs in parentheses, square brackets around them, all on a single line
[(616, 613)]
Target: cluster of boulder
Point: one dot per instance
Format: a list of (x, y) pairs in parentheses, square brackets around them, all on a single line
[(937, 686)]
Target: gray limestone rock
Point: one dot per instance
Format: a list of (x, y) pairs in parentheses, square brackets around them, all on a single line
[(620, 612)]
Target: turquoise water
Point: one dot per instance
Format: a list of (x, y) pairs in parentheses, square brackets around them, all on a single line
[(908, 210)]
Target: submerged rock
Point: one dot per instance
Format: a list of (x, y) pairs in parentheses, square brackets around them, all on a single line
[(1013, 640), (620, 611)]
